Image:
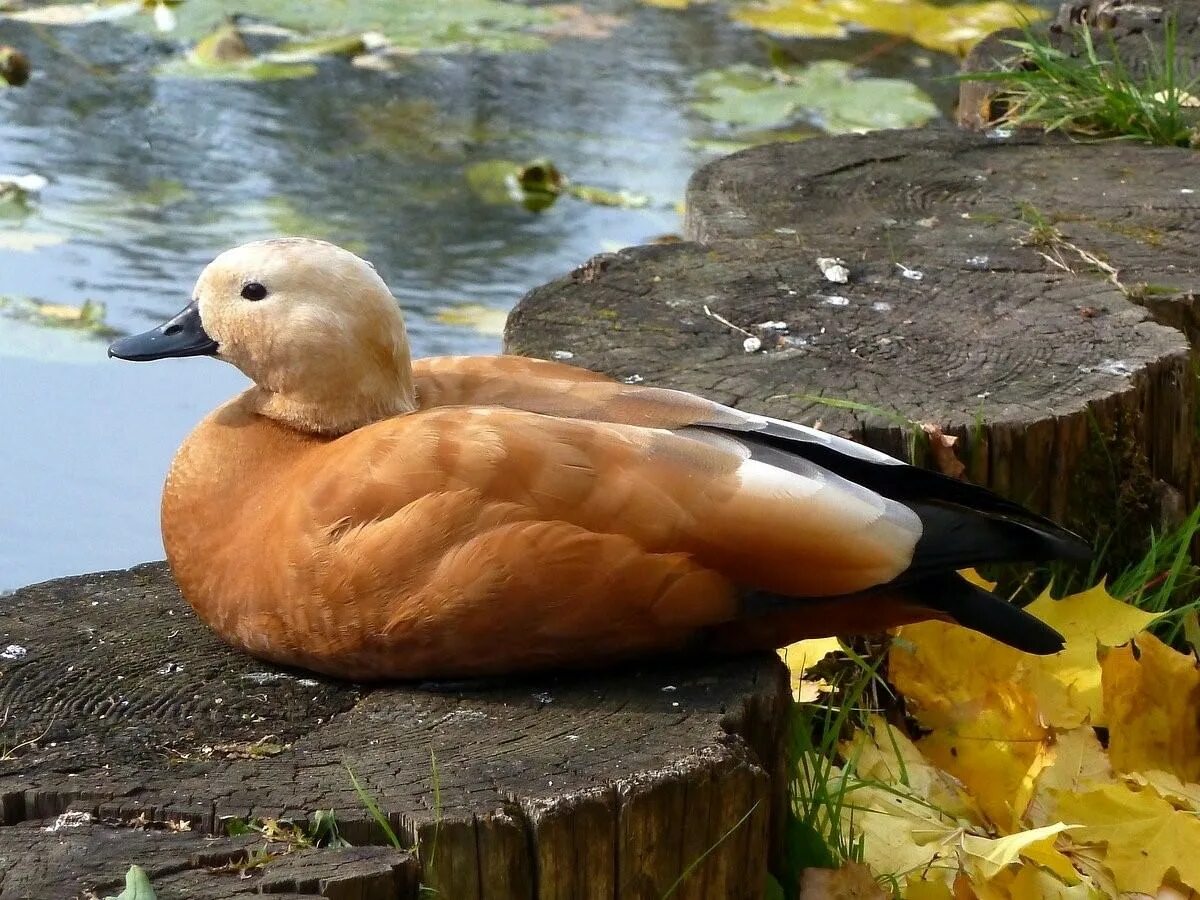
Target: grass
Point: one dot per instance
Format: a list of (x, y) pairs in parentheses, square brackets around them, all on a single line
[(1097, 97)]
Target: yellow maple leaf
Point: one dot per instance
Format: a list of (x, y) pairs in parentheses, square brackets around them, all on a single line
[(984, 725), (1152, 706), (802, 656), (1142, 839), (885, 754), (1068, 683), (1169, 787), (952, 28), (1077, 762), (984, 858)]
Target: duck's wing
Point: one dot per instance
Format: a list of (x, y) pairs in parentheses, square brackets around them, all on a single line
[(962, 524), (795, 529)]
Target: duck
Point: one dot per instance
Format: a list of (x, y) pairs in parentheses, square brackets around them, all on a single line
[(368, 516)]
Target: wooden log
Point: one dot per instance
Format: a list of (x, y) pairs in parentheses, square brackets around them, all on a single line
[(125, 713), (1005, 291)]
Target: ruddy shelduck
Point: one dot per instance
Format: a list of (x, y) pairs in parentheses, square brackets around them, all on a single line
[(365, 516)]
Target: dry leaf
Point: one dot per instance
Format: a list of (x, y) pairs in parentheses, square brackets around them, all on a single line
[(1152, 706), (984, 724), (1068, 684), (1077, 763), (941, 446), (1143, 837)]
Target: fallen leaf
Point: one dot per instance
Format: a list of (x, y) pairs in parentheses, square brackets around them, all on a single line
[(1152, 708), (802, 656), (484, 320), (1143, 836), (948, 28), (1068, 683), (882, 753), (985, 730), (1077, 763), (984, 858), (941, 447)]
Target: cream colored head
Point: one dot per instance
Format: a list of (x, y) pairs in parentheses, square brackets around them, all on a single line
[(314, 326)]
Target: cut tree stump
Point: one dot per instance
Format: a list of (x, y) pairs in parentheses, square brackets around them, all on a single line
[(1025, 296), (130, 734), (1132, 33)]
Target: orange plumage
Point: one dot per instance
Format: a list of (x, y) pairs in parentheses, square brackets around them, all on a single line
[(366, 517)]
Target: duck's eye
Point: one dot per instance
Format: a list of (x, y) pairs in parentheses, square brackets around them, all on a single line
[(253, 291)]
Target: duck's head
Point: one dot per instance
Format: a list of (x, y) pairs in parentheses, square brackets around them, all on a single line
[(313, 325)]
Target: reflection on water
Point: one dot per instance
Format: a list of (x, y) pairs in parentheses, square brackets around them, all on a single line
[(150, 177)]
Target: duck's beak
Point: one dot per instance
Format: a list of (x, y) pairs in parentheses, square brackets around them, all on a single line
[(182, 335)]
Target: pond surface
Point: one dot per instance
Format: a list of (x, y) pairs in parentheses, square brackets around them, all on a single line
[(151, 176)]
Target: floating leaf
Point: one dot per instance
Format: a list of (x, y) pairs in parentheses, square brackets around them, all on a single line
[(605, 197), (824, 93), (75, 13), (137, 886), (283, 217), (347, 45), (484, 320), (410, 27), (946, 27), (27, 241), (534, 185), (224, 46), (89, 316), (224, 55), (14, 66)]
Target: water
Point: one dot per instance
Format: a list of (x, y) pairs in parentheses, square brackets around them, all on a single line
[(151, 177)]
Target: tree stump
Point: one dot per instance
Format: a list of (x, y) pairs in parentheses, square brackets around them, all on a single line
[(1025, 295), (130, 734), (1132, 33)]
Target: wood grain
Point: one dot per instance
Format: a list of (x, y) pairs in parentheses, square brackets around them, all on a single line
[(121, 705)]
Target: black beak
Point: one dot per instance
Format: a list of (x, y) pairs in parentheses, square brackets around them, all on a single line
[(182, 335)]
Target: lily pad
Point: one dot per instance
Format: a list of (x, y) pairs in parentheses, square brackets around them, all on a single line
[(604, 197), (460, 25), (252, 70), (14, 66), (284, 217), (534, 185), (484, 320), (945, 27), (89, 317), (224, 55), (824, 93), (75, 13), (347, 45)]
